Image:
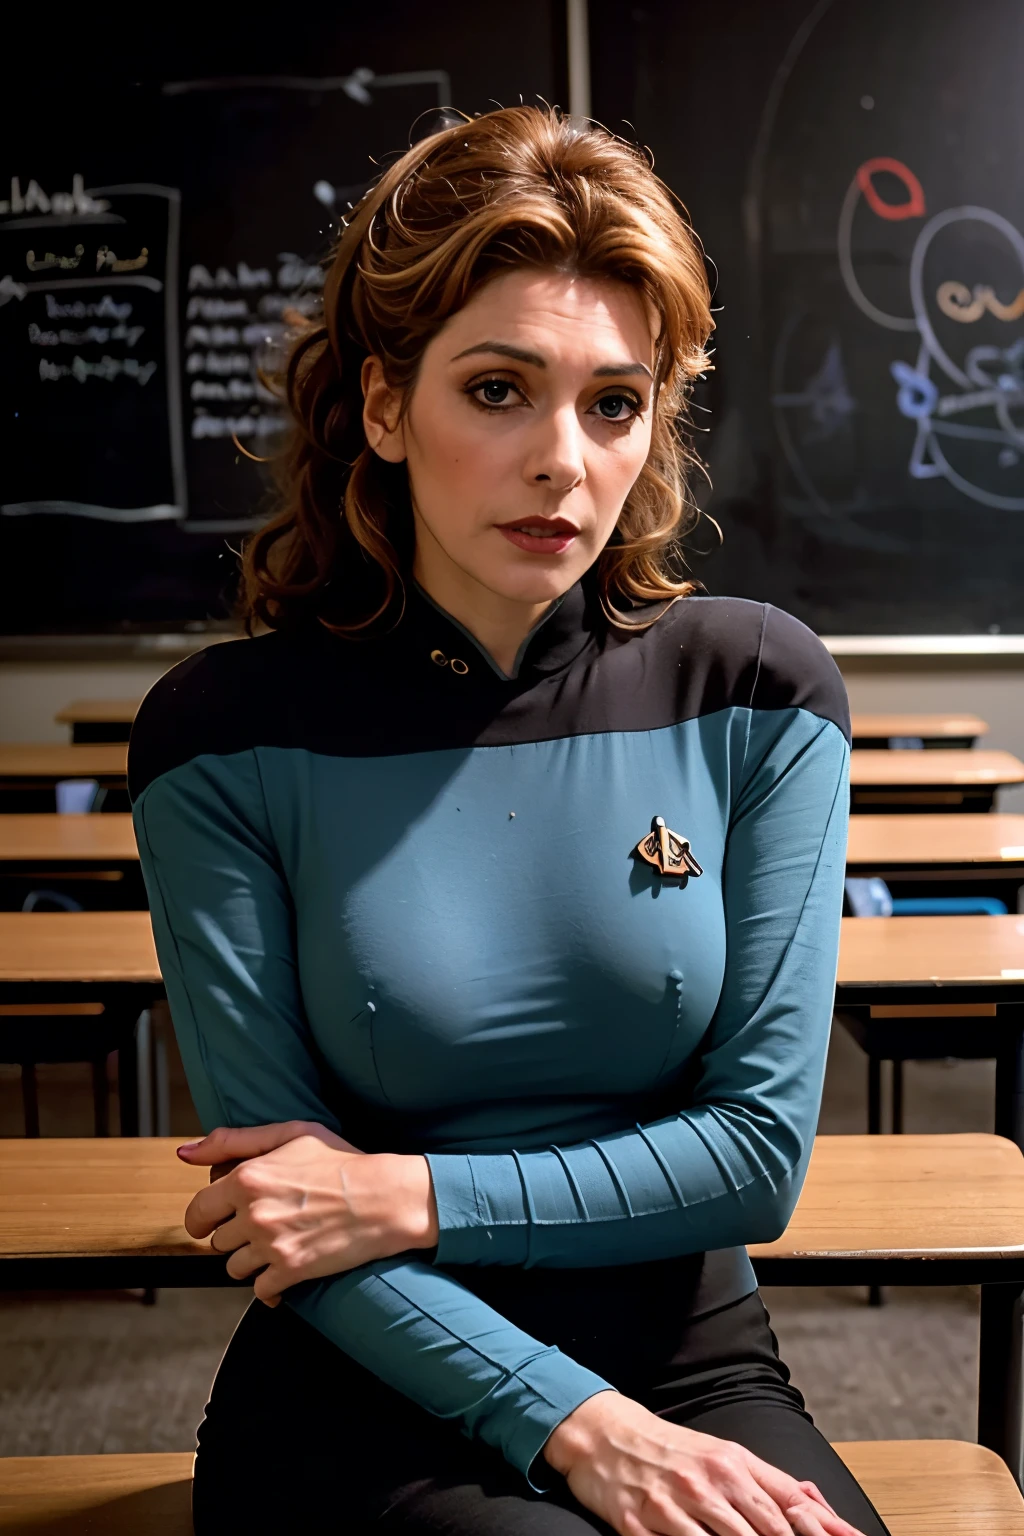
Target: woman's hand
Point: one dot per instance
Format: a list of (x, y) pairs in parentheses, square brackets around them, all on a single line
[(643, 1475), (298, 1203)]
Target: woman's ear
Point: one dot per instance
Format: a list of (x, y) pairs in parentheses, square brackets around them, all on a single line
[(382, 413)]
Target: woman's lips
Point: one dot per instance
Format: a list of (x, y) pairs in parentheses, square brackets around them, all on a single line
[(540, 536)]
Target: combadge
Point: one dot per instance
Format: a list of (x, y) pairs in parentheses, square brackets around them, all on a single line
[(667, 852)]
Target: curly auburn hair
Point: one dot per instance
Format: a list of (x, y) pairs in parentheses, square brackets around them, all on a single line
[(521, 186)]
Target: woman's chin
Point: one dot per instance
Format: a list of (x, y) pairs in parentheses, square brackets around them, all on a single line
[(534, 586)]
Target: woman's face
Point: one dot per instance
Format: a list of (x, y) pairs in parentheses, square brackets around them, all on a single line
[(528, 423)]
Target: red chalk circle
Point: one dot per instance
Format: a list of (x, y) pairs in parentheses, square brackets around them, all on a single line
[(913, 208)]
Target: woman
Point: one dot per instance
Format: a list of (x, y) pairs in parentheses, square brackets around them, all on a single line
[(497, 894)]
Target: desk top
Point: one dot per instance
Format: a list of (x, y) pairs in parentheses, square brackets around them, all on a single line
[(77, 947), (142, 1493), (123, 712), (926, 727), (933, 1487), (931, 951), (909, 1196), (63, 760), (70, 839), (75, 1195), (943, 767), (883, 842)]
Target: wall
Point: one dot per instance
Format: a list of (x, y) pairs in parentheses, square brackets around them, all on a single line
[(32, 692)]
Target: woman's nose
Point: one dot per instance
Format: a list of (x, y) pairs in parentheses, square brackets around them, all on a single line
[(556, 452)]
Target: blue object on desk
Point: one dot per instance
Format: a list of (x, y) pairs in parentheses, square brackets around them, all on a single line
[(872, 898)]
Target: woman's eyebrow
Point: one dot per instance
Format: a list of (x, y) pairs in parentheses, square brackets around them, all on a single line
[(503, 349), (520, 355), (612, 370)]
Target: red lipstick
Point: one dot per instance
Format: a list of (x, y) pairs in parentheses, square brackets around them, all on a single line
[(540, 535)]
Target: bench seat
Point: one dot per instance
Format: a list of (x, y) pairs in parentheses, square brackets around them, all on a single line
[(920, 1488)]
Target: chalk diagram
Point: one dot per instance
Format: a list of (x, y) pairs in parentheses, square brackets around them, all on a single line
[(963, 396), (988, 383)]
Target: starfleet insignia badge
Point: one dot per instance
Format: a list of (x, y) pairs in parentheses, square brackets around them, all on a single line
[(667, 852)]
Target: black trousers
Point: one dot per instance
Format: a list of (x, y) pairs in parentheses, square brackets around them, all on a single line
[(297, 1437)]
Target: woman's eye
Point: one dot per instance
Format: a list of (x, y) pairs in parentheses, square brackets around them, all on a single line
[(494, 392), (617, 407)]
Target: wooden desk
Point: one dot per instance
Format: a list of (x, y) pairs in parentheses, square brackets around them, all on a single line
[(87, 953), (80, 957), (942, 968), (80, 1210), (46, 762), (949, 1198), (94, 858), (940, 781), (916, 853), (93, 720), (29, 771), (931, 959), (878, 730), (930, 1487), (907, 1210), (47, 841), (921, 1210)]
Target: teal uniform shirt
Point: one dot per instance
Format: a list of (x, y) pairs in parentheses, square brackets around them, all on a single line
[(394, 891)]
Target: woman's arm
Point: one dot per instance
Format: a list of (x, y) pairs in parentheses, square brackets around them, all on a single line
[(224, 928), (727, 1168)]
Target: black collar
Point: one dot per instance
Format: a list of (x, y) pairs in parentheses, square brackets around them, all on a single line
[(555, 641)]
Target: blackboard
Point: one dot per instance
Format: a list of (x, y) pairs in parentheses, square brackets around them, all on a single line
[(853, 168), (155, 228)]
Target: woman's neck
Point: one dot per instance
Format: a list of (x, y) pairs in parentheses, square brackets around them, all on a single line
[(499, 624)]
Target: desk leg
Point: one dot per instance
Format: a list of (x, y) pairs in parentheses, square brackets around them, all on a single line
[(1010, 1081), (1000, 1374), (128, 1081)]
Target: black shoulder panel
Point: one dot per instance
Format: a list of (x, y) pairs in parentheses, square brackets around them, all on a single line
[(797, 671), (207, 703), (399, 692)]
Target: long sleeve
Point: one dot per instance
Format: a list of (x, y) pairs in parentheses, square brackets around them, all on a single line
[(225, 934), (727, 1168)]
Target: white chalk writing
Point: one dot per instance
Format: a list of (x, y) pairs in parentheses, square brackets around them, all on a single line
[(217, 309), (107, 368), (35, 200), (101, 334), (219, 363), (242, 277), (103, 309), (204, 425), (234, 389)]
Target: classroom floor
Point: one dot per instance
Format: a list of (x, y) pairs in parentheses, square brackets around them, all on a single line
[(101, 1372)]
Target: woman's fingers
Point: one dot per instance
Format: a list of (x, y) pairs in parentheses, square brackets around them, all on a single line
[(789, 1496), (722, 1507), (814, 1492), (210, 1208), (229, 1235), (810, 1519), (269, 1285), (228, 1144), (760, 1511)]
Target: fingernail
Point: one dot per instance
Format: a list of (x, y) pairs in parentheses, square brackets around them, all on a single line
[(188, 1146)]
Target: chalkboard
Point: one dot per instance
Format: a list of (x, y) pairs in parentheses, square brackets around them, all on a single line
[(155, 235), (853, 169)]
